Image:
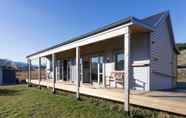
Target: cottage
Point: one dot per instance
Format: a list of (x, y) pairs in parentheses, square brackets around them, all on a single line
[(141, 52)]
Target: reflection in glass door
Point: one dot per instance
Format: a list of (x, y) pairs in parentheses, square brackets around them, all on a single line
[(94, 69), (100, 72), (97, 69)]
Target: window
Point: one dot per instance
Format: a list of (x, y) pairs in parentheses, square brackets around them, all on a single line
[(119, 61)]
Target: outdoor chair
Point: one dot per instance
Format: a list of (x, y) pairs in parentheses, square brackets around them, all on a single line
[(117, 77)]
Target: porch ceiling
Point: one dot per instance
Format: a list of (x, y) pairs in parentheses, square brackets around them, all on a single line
[(112, 44), (66, 54), (101, 47)]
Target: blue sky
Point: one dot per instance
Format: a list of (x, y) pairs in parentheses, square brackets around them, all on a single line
[(27, 26)]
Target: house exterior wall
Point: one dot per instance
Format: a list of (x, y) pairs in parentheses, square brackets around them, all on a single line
[(162, 58), (140, 54), (140, 49), (140, 57)]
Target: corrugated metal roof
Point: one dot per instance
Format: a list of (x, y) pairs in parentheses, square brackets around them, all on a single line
[(152, 20), (148, 21), (115, 24)]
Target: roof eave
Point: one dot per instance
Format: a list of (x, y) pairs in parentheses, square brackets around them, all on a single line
[(99, 30), (132, 20), (147, 27)]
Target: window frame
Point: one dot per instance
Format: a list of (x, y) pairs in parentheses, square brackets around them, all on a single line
[(116, 53)]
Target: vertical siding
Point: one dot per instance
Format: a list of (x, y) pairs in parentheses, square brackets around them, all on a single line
[(161, 58)]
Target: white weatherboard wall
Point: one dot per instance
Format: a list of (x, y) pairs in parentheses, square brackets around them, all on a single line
[(161, 58), (140, 54), (140, 49)]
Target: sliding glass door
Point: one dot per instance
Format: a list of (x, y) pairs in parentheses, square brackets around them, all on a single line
[(94, 69), (97, 69)]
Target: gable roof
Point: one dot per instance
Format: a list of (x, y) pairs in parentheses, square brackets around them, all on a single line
[(172, 34), (148, 23), (154, 21)]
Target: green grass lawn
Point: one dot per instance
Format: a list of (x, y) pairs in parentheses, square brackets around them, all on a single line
[(22, 102)]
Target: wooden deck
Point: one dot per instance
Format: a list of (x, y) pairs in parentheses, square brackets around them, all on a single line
[(169, 101)]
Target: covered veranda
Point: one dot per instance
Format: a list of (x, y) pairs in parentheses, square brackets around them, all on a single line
[(78, 48)]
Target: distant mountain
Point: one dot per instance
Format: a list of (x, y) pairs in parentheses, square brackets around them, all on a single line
[(21, 65), (5, 63)]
